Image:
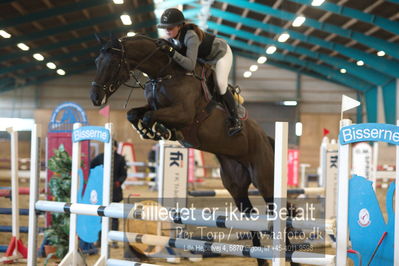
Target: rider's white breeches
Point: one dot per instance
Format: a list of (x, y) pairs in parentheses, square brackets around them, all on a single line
[(222, 70)]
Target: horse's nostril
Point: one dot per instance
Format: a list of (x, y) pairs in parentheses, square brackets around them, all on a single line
[(95, 97)]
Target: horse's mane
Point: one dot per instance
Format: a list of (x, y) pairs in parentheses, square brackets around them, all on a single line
[(137, 37)]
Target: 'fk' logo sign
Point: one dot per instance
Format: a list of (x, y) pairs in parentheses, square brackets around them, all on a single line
[(175, 158)]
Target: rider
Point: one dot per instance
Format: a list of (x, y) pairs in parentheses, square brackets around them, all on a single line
[(190, 43)]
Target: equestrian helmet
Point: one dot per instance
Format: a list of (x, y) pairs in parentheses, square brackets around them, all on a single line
[(171, 17)]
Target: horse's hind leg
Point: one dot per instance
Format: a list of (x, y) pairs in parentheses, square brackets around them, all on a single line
[(262, 176), (236, 179)]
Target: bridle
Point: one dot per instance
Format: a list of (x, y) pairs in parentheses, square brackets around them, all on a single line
[(114, 83)]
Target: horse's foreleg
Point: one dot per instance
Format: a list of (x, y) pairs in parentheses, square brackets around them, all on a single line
[(165, 121), (177, 116), (135, 117), (135, 114)]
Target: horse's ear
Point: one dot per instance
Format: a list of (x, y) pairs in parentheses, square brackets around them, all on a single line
[(100, 39)]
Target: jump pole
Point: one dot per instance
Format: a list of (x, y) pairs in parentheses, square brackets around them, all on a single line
[(280, 189), (342, 204), (309, 191), (34, 194), (330, 178), (14, 187)]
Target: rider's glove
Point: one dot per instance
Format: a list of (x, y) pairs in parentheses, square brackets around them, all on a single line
[(165, 47), (168, 49)]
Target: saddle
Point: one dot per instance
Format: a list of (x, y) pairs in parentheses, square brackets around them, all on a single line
[(213, 100), (210, 91)]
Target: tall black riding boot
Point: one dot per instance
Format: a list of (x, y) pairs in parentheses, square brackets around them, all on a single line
[(235, 122)]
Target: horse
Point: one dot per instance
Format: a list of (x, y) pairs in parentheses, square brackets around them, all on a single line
[(178, 109)]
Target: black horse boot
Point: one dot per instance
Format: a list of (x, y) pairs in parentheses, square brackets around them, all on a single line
[(235, 123)]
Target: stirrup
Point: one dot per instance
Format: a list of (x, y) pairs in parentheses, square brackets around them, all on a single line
[(235, 128)]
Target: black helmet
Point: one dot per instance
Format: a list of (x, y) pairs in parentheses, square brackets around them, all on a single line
[(171, 17)]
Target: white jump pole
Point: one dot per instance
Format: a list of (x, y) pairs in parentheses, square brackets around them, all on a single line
[(280, 189), (33, 193), (330, 181), (323, 162), (108, 167), (14, 187), (76, 162), (343, 199)]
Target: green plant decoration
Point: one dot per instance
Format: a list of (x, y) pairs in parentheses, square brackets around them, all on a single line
[(60, 187)]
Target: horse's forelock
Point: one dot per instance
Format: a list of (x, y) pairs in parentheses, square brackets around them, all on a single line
[(113, 43)]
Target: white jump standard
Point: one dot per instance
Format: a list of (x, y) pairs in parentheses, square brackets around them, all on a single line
[(79, 134), (351, 134)]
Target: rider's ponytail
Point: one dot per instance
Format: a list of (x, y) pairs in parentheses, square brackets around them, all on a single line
[(197, 30)]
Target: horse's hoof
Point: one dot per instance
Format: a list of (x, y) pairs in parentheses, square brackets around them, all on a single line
[(164, 132), (144, 132)]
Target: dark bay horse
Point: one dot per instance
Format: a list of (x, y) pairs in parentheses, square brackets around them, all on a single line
[(176, 102)]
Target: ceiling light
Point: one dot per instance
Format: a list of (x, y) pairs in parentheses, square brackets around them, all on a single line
[(262, 60), (23, 46), (131, 34), (298, 21), (253, 68), (60, 72), (51, 65), (126, 20), (283, 37), (317, 2), (38, 57), (118, 2), (342, 70), (247, 74), (380, 53), (4, 34), (271, 49), (360, 63), (145, 75), (289, 103)]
